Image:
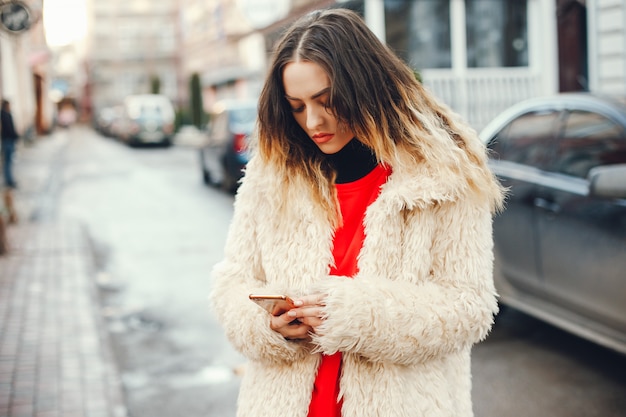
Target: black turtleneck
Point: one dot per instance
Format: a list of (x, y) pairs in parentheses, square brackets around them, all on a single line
[(352, 162)]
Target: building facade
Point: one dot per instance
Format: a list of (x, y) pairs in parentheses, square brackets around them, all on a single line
[(481, 56), (24, 67), (219, 44), (130, 44), (477, 56), (607, 45)]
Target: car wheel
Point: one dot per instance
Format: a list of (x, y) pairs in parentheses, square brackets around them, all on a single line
[(206, 177)]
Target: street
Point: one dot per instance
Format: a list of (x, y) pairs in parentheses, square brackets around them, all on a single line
[(155, 232)]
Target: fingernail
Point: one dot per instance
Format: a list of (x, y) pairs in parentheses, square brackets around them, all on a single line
[(291, 313), (298, 303)]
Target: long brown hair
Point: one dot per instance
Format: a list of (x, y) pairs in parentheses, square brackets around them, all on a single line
[(372, 92)]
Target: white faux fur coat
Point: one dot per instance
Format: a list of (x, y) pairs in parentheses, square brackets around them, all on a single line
[(405, 324)]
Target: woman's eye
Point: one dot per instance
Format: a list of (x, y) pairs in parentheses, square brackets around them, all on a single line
[(297, 110)]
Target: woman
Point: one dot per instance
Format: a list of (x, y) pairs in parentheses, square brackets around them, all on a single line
[(370, 204)]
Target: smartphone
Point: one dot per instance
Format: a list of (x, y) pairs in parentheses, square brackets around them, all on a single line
[(273, 304)]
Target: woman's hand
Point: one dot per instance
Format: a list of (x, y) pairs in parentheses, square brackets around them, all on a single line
[(309, 310), (297, 323), (290, 328)]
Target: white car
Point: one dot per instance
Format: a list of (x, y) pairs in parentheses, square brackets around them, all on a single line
[(148, 119)]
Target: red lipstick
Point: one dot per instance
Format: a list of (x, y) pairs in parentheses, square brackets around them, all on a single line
[(322, 137)]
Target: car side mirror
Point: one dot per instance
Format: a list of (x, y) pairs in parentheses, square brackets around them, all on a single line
[(608, 181)]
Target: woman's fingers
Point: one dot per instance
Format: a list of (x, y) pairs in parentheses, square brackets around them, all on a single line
[(311, 316), (297, 323), (279, 322), (310, 300), (302, 312), (290, 328), (313, 322)]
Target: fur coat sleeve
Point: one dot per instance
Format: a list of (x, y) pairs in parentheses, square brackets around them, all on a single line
[(239, 274)]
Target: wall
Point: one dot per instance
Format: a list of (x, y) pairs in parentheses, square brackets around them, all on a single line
[(607, 45), (16, 84)]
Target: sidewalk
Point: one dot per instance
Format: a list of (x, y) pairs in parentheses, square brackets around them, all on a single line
[(55, 354)]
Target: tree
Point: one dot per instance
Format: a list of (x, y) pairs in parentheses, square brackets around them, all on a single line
[(195, 101), (155, 84)]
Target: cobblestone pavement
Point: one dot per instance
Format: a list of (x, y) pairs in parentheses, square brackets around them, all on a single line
[(55, 355)]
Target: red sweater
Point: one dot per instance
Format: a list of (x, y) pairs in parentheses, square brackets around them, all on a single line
[(354, 198)]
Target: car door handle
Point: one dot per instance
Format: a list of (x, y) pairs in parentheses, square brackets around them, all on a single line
[(544, 204)]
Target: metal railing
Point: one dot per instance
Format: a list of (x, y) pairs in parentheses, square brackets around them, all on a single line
[(478, 95)]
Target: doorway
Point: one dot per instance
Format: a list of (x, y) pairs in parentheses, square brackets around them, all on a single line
[(572, 45)]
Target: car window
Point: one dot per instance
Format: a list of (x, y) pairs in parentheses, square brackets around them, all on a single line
[(527, 139), (242, 119), (150, 112), (589, 140), (245, 115)]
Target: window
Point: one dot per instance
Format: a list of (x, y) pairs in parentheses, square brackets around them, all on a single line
[(125, 85), (527, 140), (497, 33), (419, 32), (589, 140), (167, 40)]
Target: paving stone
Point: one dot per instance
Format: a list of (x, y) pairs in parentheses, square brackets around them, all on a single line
[(55, 354)]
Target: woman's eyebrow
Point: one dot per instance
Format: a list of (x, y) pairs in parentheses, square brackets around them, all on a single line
[(313, 97)]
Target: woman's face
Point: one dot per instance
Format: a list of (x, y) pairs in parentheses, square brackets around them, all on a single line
[(307, 89)]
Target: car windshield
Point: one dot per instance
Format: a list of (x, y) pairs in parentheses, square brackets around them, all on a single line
[(150, 112), (243, 115), (148, 108)]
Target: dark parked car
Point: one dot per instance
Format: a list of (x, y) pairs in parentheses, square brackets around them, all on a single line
[(225, 154), (560, 244)]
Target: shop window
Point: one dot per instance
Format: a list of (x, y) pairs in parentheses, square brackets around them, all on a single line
[(497, 33), (419, 32)]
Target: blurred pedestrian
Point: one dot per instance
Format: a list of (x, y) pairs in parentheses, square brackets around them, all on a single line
[(9, 140), (370, 204)]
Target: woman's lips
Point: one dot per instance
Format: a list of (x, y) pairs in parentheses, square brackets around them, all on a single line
[(320, 138)]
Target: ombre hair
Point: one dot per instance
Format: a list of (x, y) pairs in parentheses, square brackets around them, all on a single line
[(372, 92)]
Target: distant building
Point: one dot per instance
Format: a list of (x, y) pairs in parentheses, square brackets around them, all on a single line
[(130, 45), (227, 42), (210, 34), (219, 43)]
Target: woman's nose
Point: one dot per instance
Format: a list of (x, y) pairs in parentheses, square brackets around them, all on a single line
[(314, 118)]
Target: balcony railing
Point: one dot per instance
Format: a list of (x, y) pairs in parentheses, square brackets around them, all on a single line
[(478, 95)]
